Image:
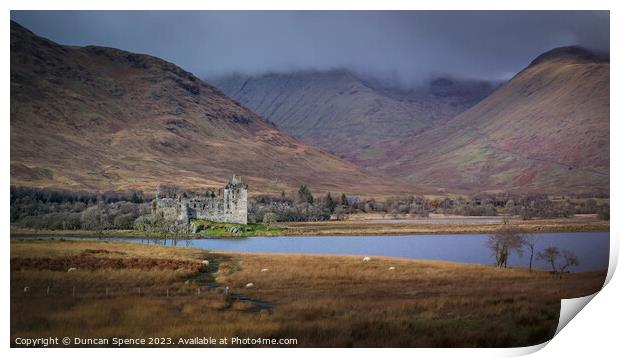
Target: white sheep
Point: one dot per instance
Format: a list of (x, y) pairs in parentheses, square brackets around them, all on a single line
[(71, 269), (366, 259), (264, 270), (392, 268), (205, 262), (249, 285)]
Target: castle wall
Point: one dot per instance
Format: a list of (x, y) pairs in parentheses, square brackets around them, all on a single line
[(169, 208), (229, 205)]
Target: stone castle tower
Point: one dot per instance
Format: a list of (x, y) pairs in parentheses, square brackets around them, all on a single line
[(228, 204)]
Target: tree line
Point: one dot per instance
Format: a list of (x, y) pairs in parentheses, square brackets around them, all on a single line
[(73, 210), (304, 206), (509, 240), (70, 210)]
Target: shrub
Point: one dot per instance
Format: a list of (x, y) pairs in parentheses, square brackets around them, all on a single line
[(143, 223), (269, 218)]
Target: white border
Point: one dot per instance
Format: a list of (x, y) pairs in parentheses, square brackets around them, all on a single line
[(593, 331)]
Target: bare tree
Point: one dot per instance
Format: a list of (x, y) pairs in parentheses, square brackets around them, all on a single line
[(506, 239), (550, 255), (269, 218), (568, 259), (96, 218), (530, 242), (340, 212), (163, 226), (179, 231)]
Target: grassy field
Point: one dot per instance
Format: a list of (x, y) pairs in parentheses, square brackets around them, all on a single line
[(24, 231), (369, 227), (139, 291)]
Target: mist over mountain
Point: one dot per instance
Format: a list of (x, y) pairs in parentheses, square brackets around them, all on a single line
[(545, 130), (411, 46), (100, 118), (350, 114)]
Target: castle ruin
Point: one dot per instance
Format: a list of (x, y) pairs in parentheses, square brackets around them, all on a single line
[(228, 204)]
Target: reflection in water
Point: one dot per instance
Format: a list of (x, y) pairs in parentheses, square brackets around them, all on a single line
[(156, 241)]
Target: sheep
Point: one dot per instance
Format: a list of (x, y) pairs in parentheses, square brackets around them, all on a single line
[(205, 262), (26, 289), (249, 285), (71, 269), (366, 259), (264, 270), (392, 268)]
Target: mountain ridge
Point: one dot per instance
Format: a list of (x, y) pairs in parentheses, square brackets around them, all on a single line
[(572, 54), (546, 130), (346, 114), (100, 118)]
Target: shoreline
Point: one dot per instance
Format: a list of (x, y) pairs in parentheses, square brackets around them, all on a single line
[(361, 228), (341, 293), (377, 228)]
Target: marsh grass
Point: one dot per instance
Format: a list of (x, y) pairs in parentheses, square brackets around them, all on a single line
[(324, 301), (355, 226)]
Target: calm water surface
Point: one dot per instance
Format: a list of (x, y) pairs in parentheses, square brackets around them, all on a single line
[(592, 248)]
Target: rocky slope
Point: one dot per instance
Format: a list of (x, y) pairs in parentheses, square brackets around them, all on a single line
[(547, 130), (351, 115), (105, 119)]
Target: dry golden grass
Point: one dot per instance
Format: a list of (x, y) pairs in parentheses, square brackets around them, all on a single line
[(369, 227), (323, 301), (61, 248)]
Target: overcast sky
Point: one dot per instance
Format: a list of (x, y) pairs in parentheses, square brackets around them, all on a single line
[(407, 45)]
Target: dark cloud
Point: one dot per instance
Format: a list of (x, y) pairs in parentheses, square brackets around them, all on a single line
[(407, 45)]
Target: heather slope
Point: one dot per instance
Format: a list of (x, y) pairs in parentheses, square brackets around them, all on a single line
[(545, 130), (350, 115), (105, 119)]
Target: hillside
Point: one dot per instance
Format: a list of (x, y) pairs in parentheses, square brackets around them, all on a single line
[(547, 130), (104, 119), (350, 115)]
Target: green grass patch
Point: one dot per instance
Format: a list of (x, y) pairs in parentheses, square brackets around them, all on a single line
[(212, 228), (19, 231)]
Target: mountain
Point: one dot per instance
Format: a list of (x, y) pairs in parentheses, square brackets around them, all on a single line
[(104, 119), (348, 114), (546, 130)]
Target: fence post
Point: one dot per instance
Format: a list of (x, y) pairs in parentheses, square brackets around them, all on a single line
[(73, 294), (167, 292), (47, 292), (139, 292), (106, 292), (198, 292)]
